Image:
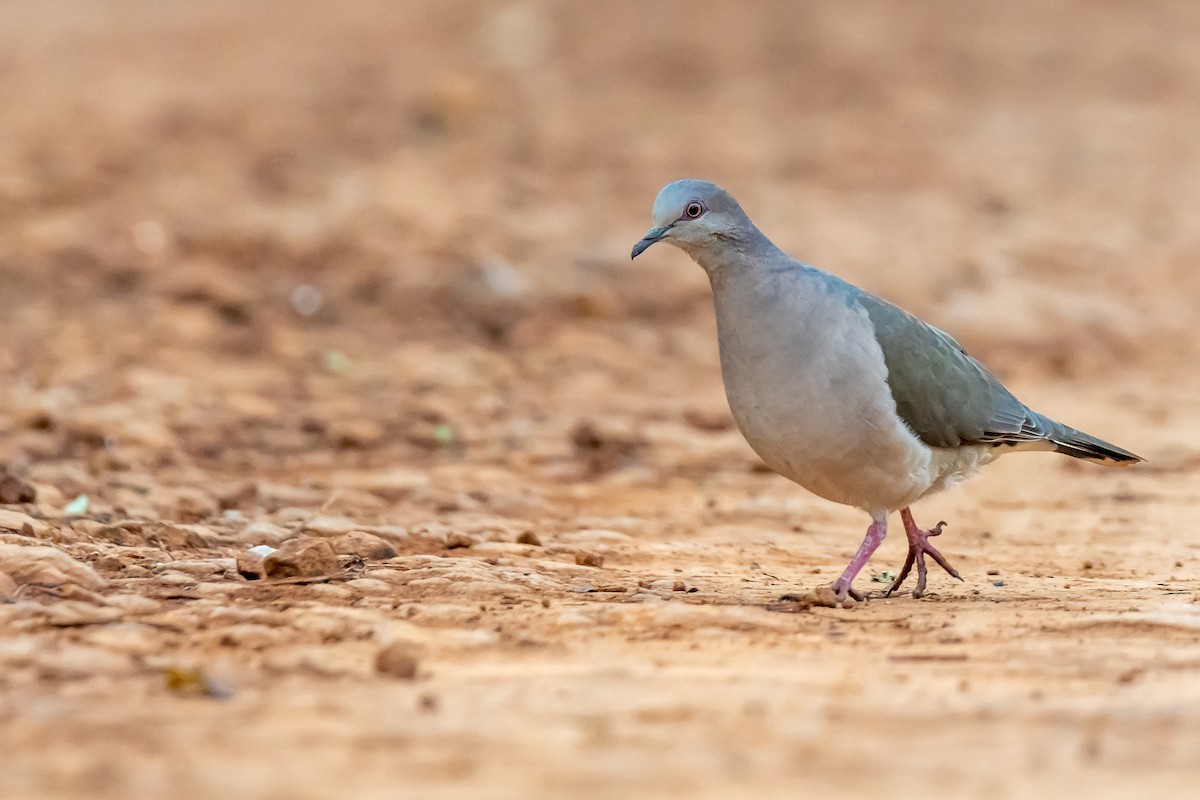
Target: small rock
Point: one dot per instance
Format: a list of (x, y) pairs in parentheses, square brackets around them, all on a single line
[(679, 586), (174, 578), (824, 596), (250, 564), (23, 523), (118, 535), (398, 660), (356, 433), (364, 545), (264, 532), (46, 566), (589, 559), (301, 558), (529, 537), (458, 539), (14, 490)]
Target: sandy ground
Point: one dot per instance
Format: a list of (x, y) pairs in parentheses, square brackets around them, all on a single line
[(356, 284)]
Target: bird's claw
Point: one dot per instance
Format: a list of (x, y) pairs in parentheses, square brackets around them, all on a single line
[(918, 548), (842, 591)]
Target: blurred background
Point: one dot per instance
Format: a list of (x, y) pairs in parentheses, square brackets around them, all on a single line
[(260, 260), (187, 191), (1023, 173)]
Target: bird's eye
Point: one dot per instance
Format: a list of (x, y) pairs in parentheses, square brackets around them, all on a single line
[(693, 209)]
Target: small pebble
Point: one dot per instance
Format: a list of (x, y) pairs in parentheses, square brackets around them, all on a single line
[(364, 545), (589, 559), (250, 564), (529, 537), (305, 557), (14, 490), (397, 660), (457, 540)]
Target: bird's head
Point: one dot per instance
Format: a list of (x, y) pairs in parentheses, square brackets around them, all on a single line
[(696, 216)]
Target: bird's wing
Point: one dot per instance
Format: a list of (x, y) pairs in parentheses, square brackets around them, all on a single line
[(945, 396)]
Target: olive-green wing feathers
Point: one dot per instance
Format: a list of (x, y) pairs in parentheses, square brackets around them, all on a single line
[(948, 399)]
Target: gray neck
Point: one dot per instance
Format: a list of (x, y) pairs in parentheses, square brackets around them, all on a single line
[(724, 256)]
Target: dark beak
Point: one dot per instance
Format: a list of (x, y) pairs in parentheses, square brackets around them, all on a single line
[(650, 238)]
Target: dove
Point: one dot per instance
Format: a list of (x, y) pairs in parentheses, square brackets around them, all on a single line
[(844, 393)]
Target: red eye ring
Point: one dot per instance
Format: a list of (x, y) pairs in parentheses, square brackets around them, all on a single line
[(693, 209)]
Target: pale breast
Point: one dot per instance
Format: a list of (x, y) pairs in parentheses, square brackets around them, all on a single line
[(806, 382)]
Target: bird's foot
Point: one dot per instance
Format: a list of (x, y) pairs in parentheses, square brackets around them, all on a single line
[(918, 548), (842, 589), (832, 595)]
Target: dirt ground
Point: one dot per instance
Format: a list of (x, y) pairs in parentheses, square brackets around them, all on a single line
[(353, 282)]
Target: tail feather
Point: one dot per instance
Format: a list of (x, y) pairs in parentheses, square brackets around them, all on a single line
[(1078, 444)]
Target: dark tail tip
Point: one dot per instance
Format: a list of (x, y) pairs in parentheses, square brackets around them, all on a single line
[(1088, 448)]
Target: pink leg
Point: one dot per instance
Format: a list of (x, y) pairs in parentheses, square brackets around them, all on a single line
[(843, 587), (918, 547)]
